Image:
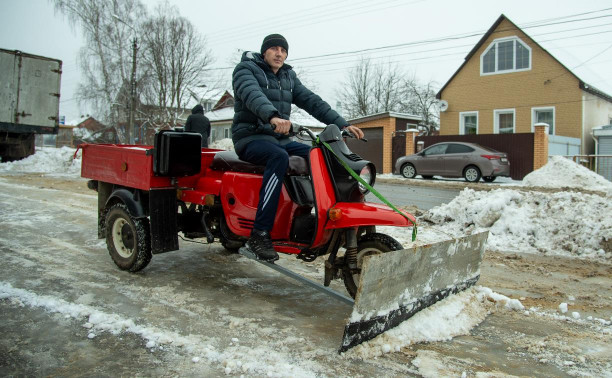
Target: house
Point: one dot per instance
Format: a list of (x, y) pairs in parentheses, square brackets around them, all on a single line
[(386, 133), (508, 83), (221, 116), (90, 130)]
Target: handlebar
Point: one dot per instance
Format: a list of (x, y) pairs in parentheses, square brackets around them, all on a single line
[(348, 134), (295, 129)]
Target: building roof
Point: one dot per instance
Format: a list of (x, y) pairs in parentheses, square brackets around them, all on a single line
[(222, 114), (581, 83), (372, 117)]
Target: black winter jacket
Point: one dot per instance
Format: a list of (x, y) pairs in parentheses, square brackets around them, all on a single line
[(198, 123), (260, 95)]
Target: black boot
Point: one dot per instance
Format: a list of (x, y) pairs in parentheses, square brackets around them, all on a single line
[(261, 246)]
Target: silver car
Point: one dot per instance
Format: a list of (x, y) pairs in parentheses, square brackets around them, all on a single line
[(455, 159)]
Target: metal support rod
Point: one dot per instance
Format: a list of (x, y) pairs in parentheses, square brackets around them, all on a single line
[(299, 278)]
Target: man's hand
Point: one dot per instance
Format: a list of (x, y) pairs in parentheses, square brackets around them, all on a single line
[(356, 131), (282, 125)]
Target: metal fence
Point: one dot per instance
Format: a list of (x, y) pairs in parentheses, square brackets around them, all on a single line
[(601, 164)]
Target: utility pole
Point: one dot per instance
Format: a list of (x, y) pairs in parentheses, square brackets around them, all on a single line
[(130, 132), (130, 127)]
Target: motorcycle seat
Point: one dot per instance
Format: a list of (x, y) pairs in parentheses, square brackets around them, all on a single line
[(229, 161)]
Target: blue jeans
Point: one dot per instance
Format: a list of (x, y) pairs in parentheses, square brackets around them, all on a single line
[(276, 160)]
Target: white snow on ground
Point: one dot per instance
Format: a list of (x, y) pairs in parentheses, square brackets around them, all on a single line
[(563, 222)]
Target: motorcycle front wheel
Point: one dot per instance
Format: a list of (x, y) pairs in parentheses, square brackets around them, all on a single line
[(368, 245)]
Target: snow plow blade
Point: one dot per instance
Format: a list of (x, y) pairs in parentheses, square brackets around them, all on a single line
[(396, 285)]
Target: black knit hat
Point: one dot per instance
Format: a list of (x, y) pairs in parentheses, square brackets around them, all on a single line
[(274, 40)]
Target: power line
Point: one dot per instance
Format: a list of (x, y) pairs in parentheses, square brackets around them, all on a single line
[(306, 19)]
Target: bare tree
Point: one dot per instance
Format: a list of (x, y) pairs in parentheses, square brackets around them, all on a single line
[(176, 58), (371, 88), (105, 60), (420, 99)]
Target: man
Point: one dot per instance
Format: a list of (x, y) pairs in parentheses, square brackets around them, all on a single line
[(264, 89), (198, 123)]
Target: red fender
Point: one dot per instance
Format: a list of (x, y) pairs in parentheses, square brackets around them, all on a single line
[(368, 214)]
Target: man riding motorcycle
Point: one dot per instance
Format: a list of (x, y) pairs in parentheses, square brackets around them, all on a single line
[(264, 88)]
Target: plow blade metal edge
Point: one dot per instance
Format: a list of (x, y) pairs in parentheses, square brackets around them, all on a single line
[(396, 285)]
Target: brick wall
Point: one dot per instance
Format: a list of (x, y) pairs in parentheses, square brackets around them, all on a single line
[(540, 146), (546, 84)]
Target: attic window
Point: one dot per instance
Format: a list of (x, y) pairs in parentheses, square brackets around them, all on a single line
[(505, 55)]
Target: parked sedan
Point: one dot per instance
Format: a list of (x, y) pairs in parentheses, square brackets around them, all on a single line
[(455, 159)]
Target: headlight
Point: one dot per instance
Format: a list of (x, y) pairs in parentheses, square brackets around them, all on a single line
[(368, 174)]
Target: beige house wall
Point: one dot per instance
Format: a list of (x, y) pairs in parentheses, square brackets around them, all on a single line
[(547, 84)]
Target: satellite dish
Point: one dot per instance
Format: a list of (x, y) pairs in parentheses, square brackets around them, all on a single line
[(443, 105)]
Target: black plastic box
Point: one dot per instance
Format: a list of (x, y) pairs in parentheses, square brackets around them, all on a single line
[(177, 154)]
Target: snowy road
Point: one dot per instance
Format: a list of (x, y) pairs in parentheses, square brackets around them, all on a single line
[(200, 311)]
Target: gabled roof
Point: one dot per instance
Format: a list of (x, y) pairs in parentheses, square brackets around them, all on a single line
[(221, 114), (225, 101), (372, 117), (581, 84), (91, 124)]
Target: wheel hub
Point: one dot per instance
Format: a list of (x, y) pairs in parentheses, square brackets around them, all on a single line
[(123, 238), (127, 236)]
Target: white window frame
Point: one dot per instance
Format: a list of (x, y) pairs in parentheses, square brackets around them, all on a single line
[(495, 43), (462, 121), (496, 114), (552, 127)]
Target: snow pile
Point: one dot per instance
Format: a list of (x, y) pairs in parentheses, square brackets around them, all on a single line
[(562, 223), (561, 172), (223, 144), (47, 160), (451, 317)]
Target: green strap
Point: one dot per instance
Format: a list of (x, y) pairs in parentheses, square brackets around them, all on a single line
[(371, 189)]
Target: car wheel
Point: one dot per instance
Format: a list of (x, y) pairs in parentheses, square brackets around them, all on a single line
[(408, 170), (489, 178), (471, 173)]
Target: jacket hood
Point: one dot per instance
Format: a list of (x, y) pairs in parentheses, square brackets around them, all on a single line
[(258, 59), (197, 109)]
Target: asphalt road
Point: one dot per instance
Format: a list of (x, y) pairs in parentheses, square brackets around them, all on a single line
[(68, 311), (409, 194)]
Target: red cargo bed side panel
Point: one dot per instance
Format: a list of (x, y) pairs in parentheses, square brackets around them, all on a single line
[(124, 165)]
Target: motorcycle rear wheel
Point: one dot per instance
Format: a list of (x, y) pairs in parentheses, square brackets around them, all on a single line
[(368, 245)]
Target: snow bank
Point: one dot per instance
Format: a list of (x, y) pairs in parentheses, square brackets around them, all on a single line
[(47, 160), (562, 223), (561, 172)]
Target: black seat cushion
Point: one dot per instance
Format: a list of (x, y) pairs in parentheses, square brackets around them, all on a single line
[(229, 161)]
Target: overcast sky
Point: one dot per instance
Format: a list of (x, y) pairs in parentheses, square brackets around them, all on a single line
[(406, 32)]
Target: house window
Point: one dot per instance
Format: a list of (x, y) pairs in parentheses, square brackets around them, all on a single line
[(505, 55), (504, 121), (544, 115), (226, 133), (468, 123)]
